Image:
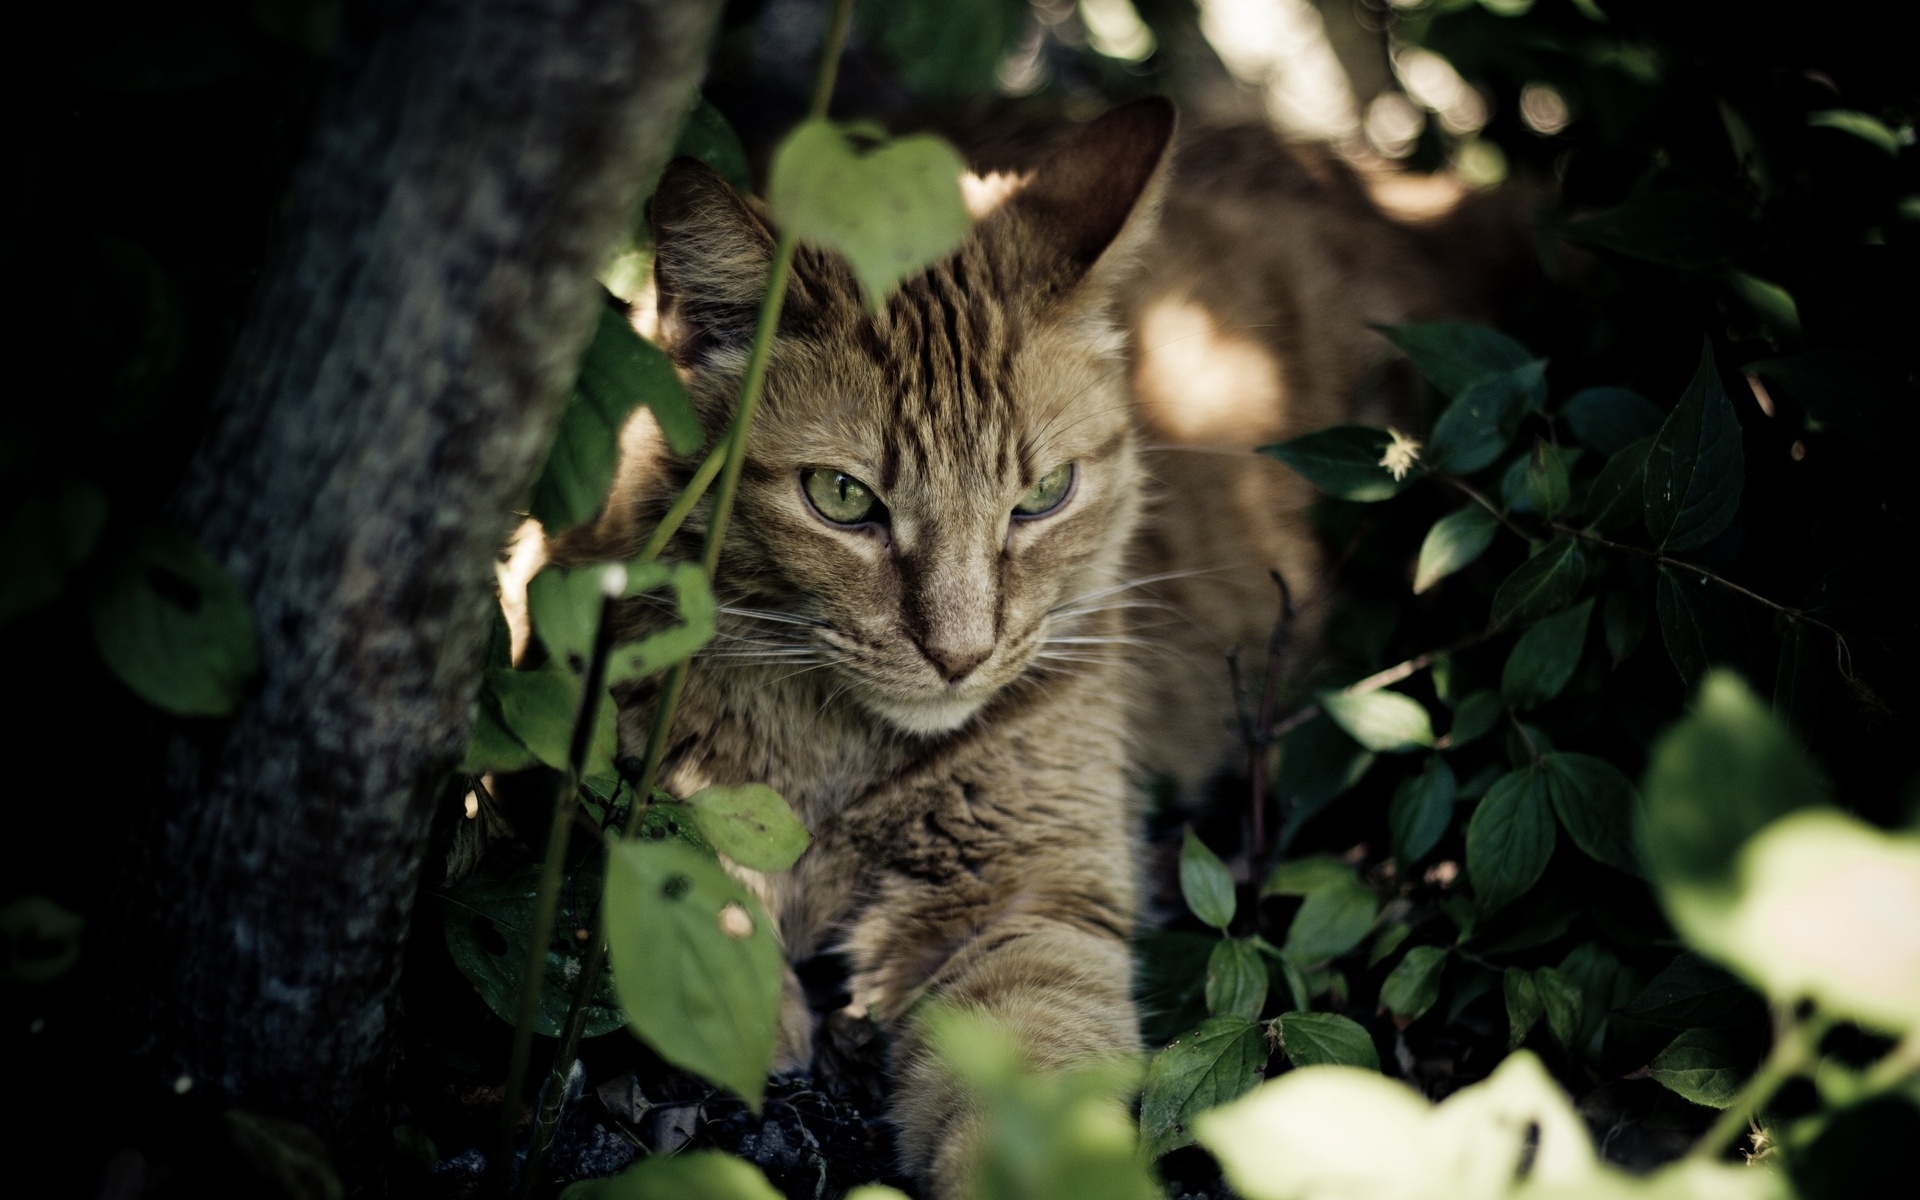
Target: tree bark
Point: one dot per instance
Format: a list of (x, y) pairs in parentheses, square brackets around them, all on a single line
[(387, 405)]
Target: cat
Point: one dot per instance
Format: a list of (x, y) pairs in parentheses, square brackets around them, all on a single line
[(990, 548)]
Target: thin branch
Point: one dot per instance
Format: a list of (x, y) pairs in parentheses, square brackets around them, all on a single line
[(1385, 678), (1473, 493)]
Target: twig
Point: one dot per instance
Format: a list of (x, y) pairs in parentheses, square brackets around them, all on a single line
[(1473, 493), (683, 504), (1277, 645), (1385, 678)]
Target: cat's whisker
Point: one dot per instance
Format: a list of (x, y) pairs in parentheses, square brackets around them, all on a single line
[(761, 614)]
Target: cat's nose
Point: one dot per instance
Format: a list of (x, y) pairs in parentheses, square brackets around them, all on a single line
[(955, 662)]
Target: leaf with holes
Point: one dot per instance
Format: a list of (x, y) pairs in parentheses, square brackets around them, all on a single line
[(1696, 467), (485, 918), (692, 600), (172, 625), (1344, 462), (750, 824), (1510, 838), (1224, 1058), (694, 963), (1454, 541), (1236, 980), (889, 210), (1311, 1039), (1546, 583), (1205, 883), (1381, 720)]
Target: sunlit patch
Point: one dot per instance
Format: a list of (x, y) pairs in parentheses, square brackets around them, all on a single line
[(1281, 47), (982, 194), (1198, 383), (1394, 124), (1544, 109), (1431, 80)]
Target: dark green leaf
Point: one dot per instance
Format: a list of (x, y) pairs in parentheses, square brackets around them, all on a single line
[(49, 535), (1561, 1002), (1615, 501), (1382, 721), (1236, 980), (565, 610), (1675, 229), (750, 824), (1695, 469), (1610, 419), (1701, 624), (1548, 490), (1852, 391), (1546, 583), (1312, 1039), (1479, 425), (706, 136), (1390, 939), (1714, 780), (41, 938), (696, 1175), (1221, 1060), (1475, 717), (1344, 461), (1422, 810), (620, 370), (1702, 1065), (1170, 975), (1690, 993), (1806, 660), (1510, 838), (1205, 883), (1543, 659), (172, 625), (1318, 762), (492, 746), (1624, 620), (1523, 1005), (1413, 985), (1334, 918), (1454, 541), (485, 918), (695, 963), (1456, 356), (539, 708), (1595, 804)]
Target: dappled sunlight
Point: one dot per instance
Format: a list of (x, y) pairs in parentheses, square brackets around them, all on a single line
[(1201, 384)]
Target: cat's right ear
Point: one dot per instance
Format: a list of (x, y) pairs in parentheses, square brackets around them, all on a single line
[(1094, 201), (712, 252)]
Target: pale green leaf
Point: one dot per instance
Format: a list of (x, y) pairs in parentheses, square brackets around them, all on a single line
[(1380, 720), (750, 824), (1701, 1065), (1205, 883), (1454, 541)]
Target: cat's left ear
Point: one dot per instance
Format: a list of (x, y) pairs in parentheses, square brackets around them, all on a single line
[(1094, 201)]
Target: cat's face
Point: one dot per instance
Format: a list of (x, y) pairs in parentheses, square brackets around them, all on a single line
[(930, 493)]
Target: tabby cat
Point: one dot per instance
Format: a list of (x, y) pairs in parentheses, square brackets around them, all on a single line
[(990, 548)]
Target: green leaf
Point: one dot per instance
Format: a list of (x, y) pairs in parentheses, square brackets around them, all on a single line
[(42, 939), (1772, 303), (1615, 500), (1700, 623), (695, 1175), (1476, 716), (1343, 462), (946, 50), (172, 625), (1305, 876), (1479, 425), (705, 135), (1703, 1066), (1311, 1039), (1695, 469), (1561, 1001), (1609, 419), (1868, 129), (1413, 985), (1334, 918), (1422, 809), (1546, 583), (1548, 490), (1623, 618), (692, 600), (1236, 980), (565, 609), (1691, 992), (1390, 939), (889, 211), (1543, 659), (1595, 804), (1456, 356), (1714, 780), (1169, 981), (1382, 721), (492, 746), (695, 963), (1222, 1059), (750, 824), (1523, 1005), (49, 535), (1205, 883), (1510, 838), (620, 370), (1454, 541), (539, 708), (485, 920), (1318, 762), (1687, 229)]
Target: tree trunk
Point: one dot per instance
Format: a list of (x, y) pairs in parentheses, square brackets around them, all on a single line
[(387, 405)]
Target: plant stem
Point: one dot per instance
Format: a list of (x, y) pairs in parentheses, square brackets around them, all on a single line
[(1795, 1048), (546, 900), (1277, 645), (1473, 494), (683, 504), (735, 446)]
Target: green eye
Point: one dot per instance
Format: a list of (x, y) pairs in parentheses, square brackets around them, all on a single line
[(837, 496), (1045, 496)]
